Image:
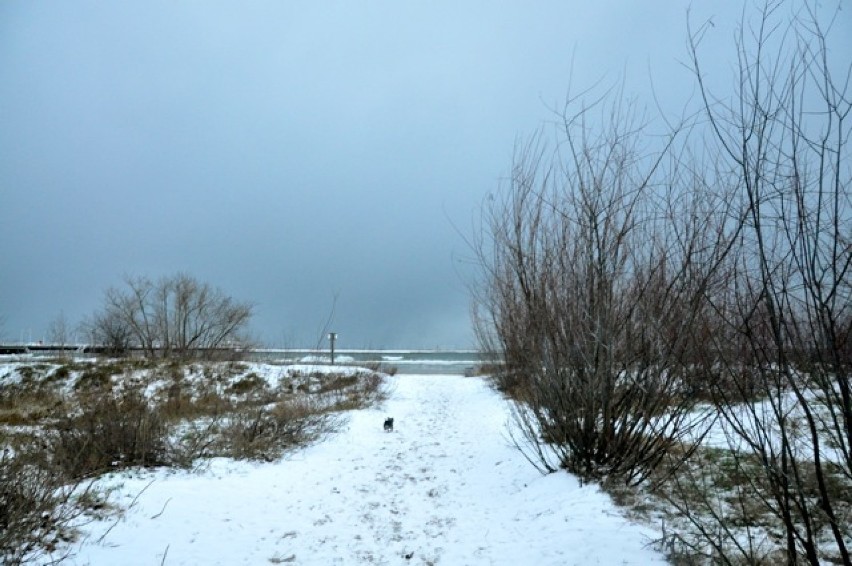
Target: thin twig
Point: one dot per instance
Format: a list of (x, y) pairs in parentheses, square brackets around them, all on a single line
[(163, 509), (121, 516)]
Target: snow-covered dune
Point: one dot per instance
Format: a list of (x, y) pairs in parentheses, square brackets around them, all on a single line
[(445, 487)]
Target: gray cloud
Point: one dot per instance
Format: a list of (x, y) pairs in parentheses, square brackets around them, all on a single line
[(288, 152)]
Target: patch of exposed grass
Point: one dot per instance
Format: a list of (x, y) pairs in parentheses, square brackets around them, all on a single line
[(353, 392), (93, 379), (250, 383), (23, 416), (31, 399), (60, 374), (732, 487), (337, 383)]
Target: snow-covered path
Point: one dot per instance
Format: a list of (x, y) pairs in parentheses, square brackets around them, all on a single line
[(445, 488)]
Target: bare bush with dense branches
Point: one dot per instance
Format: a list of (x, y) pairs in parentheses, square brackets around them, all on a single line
[(110, 432), (37, 505), (597, 258), (174, 316), (263, 432)]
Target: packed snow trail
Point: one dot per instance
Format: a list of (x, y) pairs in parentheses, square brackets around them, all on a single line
[(446, 487)]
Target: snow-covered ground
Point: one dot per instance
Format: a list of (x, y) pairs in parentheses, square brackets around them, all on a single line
[(446, 487)]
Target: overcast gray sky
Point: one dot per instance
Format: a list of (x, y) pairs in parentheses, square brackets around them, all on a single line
[(290, 152)]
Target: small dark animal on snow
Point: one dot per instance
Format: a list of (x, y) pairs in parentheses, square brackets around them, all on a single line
[(389, 424)]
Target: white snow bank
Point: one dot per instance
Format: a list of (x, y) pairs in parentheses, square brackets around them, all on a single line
[(444, 488)]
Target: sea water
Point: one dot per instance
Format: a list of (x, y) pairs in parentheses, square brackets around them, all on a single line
[(467, 362), (461, 362)]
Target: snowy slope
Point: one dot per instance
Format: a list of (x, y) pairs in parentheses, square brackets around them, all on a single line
[(445, 488)]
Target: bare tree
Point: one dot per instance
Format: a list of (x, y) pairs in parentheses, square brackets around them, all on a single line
[(174, 316), (108, 330), (57, 332)]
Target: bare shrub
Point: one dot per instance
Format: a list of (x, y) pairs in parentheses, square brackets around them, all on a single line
[(37, 505), (105, 374), (180, 406), (349, 392), (194, 440), (251, 384), (111, 431), (30, 401), (265, 432), (372, 388), (331, 383), (596, 260), (262, 430)]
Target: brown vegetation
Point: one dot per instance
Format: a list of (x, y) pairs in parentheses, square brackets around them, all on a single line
[(83, 419)]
